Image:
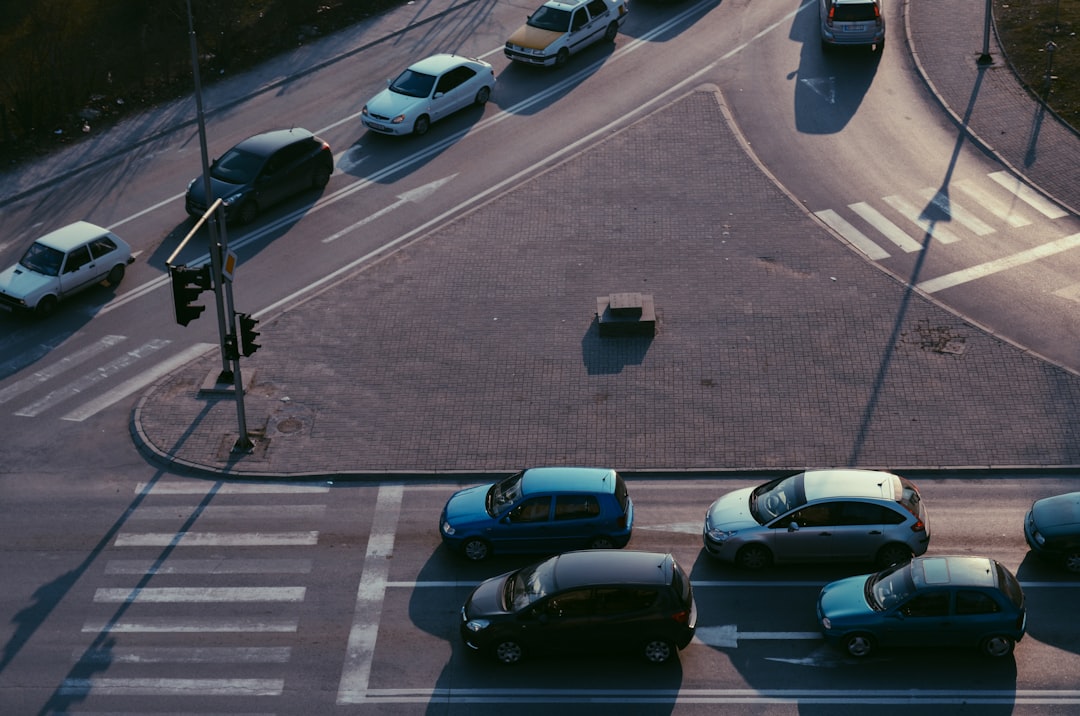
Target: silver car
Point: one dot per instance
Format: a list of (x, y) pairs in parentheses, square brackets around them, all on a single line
[(819, 516), (851, 22)]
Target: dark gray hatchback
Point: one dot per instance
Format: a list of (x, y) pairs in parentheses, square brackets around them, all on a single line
[(583, 602)]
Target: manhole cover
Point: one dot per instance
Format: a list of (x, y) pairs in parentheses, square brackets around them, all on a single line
[(289, 425)]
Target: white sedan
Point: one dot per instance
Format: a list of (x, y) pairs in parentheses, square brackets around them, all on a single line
[(428, 91), (61, 263)]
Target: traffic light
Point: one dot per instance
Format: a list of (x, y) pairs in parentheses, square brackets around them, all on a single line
[(247, 333), (187, 284)]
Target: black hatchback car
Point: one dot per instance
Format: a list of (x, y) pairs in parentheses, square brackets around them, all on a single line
[(583, 602), (262, 171)]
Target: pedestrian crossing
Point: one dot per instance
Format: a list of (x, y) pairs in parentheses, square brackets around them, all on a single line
[(94, 376), (231, 635), (970, 210)]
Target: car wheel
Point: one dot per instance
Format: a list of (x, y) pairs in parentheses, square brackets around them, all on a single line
[(483, 95), (859, 645), (320, 177), (892, 554), (997, 646), (611, 31), (754, 557), (601, 542), (248, 212), (658, 651), (508, 652), (1072, 562), (561, 58), (421, 125), (116, 275), (475, 549), (45, 306)]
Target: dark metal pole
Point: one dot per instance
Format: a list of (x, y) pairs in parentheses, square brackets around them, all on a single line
[(985, 58), (211, 225)]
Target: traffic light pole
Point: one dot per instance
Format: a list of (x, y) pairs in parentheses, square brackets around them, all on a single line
[(217, 252)]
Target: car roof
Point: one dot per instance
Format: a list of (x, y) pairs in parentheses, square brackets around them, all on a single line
[(72, 235), (565, 5), (568, 479), (437, 64), (605, 566), (958, 570), (267, 143), (820, 484)]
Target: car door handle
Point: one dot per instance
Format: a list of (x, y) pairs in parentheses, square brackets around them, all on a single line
[(874, 532), (824, 534)]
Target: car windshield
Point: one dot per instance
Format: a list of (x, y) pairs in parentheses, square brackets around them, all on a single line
[(890, 586), (855, 12), (777, 497), (503, 494), (413, 84), (529, 584), (237, 167), (43, 259), (550, 18)]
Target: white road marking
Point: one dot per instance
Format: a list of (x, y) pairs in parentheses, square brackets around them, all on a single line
[(1006, 262), (946, 205), (825, 87), (227, 488), (138, 382), (215, 539), (76, 387), (223, 565), (184, 655), (727, 636), (914, 215), (853, 236), (229, 512), (414, 195), (1029, 196), (174, 625), (991, 203), (199, 595), (105, 686), (64, 364), (360, 651), (856, 697), (888, 229)]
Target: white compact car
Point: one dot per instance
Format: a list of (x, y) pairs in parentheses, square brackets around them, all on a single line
[(560, 28), (61, 263), (428, 91)]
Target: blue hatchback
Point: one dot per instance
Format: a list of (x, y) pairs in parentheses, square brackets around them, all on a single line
[(540, 510), (927, 602)]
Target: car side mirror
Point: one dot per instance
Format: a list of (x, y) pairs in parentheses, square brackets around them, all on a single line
[(505, 519), (793, 527)]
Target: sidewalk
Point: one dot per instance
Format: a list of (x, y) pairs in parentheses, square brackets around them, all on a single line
[(777, 348)]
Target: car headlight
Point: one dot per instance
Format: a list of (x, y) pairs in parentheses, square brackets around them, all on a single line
[(1039, 539), (363, 110), (825, 622), (398, 119), (447, 528), (233, 198), (719, 535), (476, 625)]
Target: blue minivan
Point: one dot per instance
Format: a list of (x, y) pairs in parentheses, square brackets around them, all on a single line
[(540, 510)]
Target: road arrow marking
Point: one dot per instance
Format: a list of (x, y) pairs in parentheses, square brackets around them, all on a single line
[(826, 87), (415, 195), (823, 656), (727, 636)]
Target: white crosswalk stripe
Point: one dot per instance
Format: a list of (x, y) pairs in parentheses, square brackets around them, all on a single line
[(965, 209), (225, 635)]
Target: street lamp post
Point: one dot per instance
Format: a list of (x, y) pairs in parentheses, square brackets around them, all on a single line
[(985, 58)]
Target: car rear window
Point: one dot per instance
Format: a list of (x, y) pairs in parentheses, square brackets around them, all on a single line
[(909, 496), (1010, 586), (854, 12), (680, 583), (621, 495)]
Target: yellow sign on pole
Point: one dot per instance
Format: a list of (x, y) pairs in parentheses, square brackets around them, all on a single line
[(228, 265)]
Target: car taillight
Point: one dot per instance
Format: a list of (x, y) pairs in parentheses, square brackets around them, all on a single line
[(682, 617), (918, 526), (829, 21)]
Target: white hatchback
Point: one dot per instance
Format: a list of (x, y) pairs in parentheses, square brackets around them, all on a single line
[(61, 263)]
